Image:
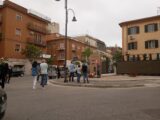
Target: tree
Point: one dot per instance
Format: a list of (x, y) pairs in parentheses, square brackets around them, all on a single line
[(117, 56), (32, 52), (86, 53), (50, 60)]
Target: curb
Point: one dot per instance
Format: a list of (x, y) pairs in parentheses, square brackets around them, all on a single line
[(98, 86)]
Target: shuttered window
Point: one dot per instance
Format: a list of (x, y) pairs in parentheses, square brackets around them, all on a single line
[(151, 44), (151, 27), (132, 46), (133, 30)]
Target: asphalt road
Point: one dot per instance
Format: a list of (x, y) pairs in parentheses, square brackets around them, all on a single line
[(78, 103)]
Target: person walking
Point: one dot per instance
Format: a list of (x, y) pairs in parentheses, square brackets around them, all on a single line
[(71, 72), (34, 73), (44, 73), (58, 72), (9, 74), (39, 72), (85, 72), (78, 74)]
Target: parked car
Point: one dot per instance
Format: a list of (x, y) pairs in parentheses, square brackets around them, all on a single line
[(18, 70), (3, 103), (52, 72)]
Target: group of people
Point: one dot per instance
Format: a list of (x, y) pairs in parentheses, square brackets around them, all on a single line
[(40, 70), (5, 73), (80, 71)]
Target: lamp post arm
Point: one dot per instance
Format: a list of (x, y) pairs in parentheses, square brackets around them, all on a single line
[(69, 9)]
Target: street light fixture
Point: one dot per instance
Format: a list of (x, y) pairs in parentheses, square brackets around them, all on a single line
[(66, 30)]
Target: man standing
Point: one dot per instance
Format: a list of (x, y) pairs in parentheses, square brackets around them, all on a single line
[(85, 72), (71, 71), (44, 72)]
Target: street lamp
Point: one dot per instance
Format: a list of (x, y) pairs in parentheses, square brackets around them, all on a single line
[(66, 28)]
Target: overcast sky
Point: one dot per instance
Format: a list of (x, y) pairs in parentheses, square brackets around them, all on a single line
[(98, 18)]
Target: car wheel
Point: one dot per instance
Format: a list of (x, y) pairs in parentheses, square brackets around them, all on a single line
[(22, 75)]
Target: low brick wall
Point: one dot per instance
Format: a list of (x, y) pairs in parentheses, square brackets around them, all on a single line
[(139, 67)]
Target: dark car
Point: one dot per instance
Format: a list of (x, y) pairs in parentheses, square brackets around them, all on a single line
[(18, 70), (3, 103), (17, 73)]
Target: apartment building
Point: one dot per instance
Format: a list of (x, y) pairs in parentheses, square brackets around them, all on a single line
[(19, 27), (141, 39), (98, 58), (56, 47), (87, 39)]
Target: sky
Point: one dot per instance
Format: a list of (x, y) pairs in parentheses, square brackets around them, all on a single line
[(97, 18)]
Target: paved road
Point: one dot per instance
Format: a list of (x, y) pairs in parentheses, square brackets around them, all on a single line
[(80, 103)]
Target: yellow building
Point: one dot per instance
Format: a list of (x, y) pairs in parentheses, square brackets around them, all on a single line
[(141, 39)]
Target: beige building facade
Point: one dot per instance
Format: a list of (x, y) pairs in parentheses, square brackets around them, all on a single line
[(141, 39)]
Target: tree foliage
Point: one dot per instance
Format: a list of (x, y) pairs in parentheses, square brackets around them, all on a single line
[(31, 52), (117, 56), (87, 52), (50, 60)]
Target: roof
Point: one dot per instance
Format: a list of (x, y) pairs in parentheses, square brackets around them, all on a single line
[(140, 20), (21, 9)]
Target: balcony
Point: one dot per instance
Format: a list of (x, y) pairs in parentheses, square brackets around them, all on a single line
[(41, 43), (61, 58), (0, 19), (74, 49), (61, 48), (1, 36), (38, 28)]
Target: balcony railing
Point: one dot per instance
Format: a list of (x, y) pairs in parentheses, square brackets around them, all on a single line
[(38, 28), (41, 43), (1, 36), (0, 19), (74, 49), (61, 58), (61, 48)]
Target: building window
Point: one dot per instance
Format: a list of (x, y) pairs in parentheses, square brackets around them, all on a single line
[(39, 38), (61, 56), (158, 56), (18, 31), (133, 30), (17, 47), (79, 47), (18, 17), (151, 44), (151, 27), (61, 45), (132, 46)]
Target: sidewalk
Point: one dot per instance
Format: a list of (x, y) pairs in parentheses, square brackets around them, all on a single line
[(113, 81)]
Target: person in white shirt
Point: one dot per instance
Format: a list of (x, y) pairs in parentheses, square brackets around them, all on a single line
[(78, 73), (44, 73), (71, 72)]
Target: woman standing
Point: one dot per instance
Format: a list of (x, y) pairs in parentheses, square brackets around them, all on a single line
[(34, 73)]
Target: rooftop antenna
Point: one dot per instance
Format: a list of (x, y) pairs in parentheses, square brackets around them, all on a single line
[(158, 10)]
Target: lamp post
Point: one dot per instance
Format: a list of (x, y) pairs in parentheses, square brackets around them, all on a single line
[(66, 31)]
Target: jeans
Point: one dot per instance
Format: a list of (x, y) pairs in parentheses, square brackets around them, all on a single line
[(43, 79), (71, 76), (78, 77), (85, 77)]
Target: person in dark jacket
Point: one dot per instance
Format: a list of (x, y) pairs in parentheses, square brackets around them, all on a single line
[(3, 72), (58, 72), (85, 72), (34, 73), (9, 74)]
